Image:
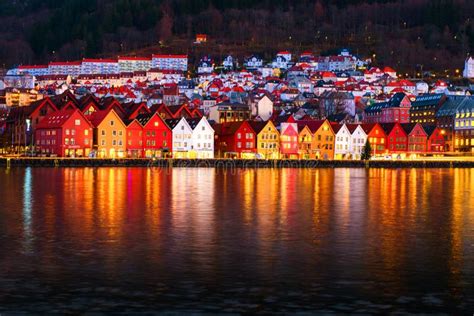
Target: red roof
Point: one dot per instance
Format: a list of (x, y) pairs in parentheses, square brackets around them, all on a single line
[(94, 60), (388, 69), (134, 58), (56, 119), (328, 74), (65, 63), (169, 56), (313, 125), (32, 66)]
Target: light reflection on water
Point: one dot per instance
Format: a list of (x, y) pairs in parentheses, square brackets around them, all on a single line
[(327, 240)]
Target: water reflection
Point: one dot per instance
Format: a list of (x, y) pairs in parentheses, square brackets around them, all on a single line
[(27, 208), (398, 238)]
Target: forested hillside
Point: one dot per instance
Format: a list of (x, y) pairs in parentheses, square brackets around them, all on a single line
[(403, 33)]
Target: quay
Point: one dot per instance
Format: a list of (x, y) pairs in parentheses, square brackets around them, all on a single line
[(229, 163)]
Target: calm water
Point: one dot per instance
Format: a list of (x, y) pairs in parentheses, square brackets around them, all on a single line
[(201, 240)]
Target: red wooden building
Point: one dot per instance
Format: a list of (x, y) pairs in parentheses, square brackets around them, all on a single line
[(397, 140), (376, 137), (65, 133), (289, 140), (417, 138), (156, 136), (436, 139), (235, 139), (134, 131)]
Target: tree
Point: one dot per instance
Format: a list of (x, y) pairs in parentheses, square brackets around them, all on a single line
[(366, 151)]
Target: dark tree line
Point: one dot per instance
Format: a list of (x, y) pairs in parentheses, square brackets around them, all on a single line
[(435, 33)]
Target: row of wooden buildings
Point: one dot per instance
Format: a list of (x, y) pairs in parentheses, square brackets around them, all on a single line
[(92, 127)]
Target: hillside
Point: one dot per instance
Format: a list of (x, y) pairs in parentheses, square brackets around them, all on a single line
[(437, 34)]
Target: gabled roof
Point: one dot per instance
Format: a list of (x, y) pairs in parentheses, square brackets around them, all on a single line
[(172, 122), (313, 125), (194, 122), (228, 129), (368, 127), (408, 127), (352, 127), (258, 126), (388, 127), (336, 127), (97, 117), (429, 129), (58, 118), (143, 119)]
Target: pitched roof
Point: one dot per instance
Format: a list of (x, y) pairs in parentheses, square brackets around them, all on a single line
[(97, 117), (452, 105), (313, 125), (258, 126), (387, 127), (227, 129), (429, 129), (55, 119), (352, 127), (428, 100), (408, 127), (172, 122)]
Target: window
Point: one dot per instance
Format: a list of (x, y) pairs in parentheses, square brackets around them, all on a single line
[(120, 133), (86, 132), (114, 143), (239, 136), (114, 133), (103, 142), (112, 123), (67, 132), (66, 141), (77, 122), (103, 132), (73, 132)]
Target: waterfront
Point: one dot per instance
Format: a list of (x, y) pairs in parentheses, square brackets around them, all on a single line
[(245, 240)]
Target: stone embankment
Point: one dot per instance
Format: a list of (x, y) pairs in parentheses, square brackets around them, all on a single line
[(230, 163)]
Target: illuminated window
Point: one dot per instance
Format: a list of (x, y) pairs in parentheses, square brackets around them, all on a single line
[(77, 122)]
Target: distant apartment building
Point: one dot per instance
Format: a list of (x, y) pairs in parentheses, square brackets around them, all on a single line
[(170, 62), (99, 66), (65, 68), (34, 70), (132, 64)]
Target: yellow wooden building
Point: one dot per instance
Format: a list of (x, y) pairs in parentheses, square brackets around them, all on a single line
[(268, 139)]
